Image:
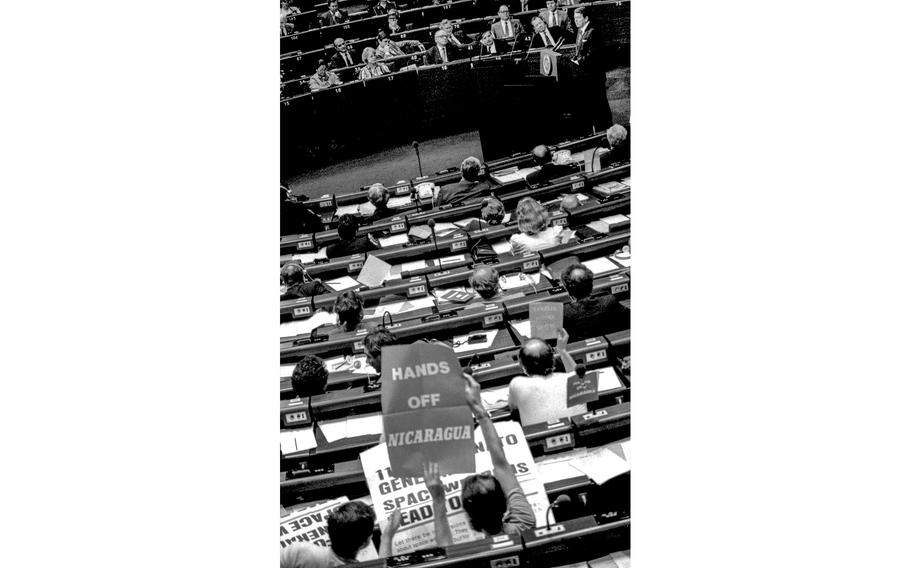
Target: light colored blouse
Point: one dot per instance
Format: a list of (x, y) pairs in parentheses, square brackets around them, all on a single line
[(522, 243)]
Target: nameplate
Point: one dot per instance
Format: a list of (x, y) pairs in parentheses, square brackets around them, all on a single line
[(417, 290), (327, 204), (398, 227), (596, 355), (354, 266), (304, 245), (578, 184), (296, 402), (301, 311), (458, 245), (558, 442), (502, 538), (624, 287), (492, 319), (480, 366), (602, 413), (295, 417), (530, 264), (555, 529), (507, 562), (560, 222)]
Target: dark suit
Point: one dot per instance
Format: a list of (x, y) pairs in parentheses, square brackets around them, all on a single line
[(378, 10), (591, 317), (562, 20), (329, 19), (501, 47), (592, 88), (338, 62), (305, 290), (538, 41), (297, 219), (619, 153), (462, 191), (548, 172), (347, 248), (434, 57), (467, 42)]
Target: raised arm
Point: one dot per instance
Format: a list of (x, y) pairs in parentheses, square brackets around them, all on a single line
[(437, 492), (562, 340), (385, 542), (502, 470)]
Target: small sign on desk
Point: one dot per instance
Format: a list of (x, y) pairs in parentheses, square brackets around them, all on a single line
[(546, 319)]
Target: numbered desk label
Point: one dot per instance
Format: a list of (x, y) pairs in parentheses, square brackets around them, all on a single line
[(295, 417), (624, 287), (302, 311), (596, 355), (507, 562), (558, 442)]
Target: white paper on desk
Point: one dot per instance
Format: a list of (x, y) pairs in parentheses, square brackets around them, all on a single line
[(347, 210), (613, 560), (613, 219), (601, 464), (300, 327), (462, 223), (398, 202), (607, 379), (494, 399), (625, 262), (502, 246), (445, 229), (599, 265), (465, 346), (440, 292), (374, 272), (518, 280), (558, 467), (287, 370), (415, 265), (600, 226), (305, 258), (627, 450), (505, 176), (366, 370), (341, 284), (522, 327), (363, 425), (297, 440), (451, 259), (334, 430), (393, 240)]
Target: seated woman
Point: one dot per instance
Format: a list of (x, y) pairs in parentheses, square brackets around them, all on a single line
[(373, 67), (534, 223), (286, 10)]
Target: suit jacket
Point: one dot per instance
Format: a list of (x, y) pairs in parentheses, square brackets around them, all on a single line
[(328, 19), (537, 41), (297, 219), (380, 11), (347, 248), (498, 31), (591, 317), (434, 57), (337, 62), (548, 172), (481, 49), (467, 42), (588, 50), (562, 20), (305, 290), (462, 191)]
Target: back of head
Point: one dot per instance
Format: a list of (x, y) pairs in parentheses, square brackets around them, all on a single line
[(578, 280), (347, 227), (373, 344), (349, 308), (378, 194), (470, 168), (350, 527), (492, 211), (616, 135), (484, 501), (541, 155), (292, 273), (485, 281), (532, 216), (309, 377), (569, 202), (536, 357)]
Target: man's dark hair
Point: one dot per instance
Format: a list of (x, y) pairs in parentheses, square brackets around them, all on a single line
[(292, 273), (484, 501), (492, 211), (536, 357), (578, 281), (541, 155), (470, 168), (309, 377), (485, 281), (581, 10), (374, 342), (350, 526), (347, 227), (349, 307)]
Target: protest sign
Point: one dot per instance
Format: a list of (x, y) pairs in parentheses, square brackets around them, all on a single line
[(425, 416), (546, 319), (412, 498), (308, 525), (581, 387)]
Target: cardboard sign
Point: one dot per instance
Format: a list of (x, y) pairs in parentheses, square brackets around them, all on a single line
[(425, 416), (309, 525), (410, 495), (546, 319), (374, 272), (581, 390)]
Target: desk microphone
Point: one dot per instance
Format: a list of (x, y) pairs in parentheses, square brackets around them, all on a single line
[(417, 149), (559, 501), (391, 321), (432, 225)]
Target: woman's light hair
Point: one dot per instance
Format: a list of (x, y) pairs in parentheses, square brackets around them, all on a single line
[(532, 216), (367, 52), (616, 134), (377, 194)]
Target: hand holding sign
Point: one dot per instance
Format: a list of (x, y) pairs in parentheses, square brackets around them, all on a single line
[(546, 319), (562, 339), (472, 394), (385, 543), (432, 481)]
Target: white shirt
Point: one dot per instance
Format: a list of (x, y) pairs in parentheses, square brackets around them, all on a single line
[(443, 54), (553, 19), (549, 39), (547, 238), (507, 28), (539, 399)]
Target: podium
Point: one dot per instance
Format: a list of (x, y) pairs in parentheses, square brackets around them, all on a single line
[(549, 63)]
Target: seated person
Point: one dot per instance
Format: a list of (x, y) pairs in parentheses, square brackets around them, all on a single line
[(544, 36), (539, 396), (485, 281), (373, 67), (386, 48), (296, 218), (534, 223), (618, 145), (323, 78), (350, 530), (334, 15), (491, 213), (488, 45), (442, 51), (293, 278), (378, 196), (558, 17), (373, 344), (584, 316), (393, 25), (343, 60), (548, 169), (348, 308), (310, 377), (350, 243), (383, 7), (506, 28), (569, 202), (467, 188), (457, 38), (286, 10)]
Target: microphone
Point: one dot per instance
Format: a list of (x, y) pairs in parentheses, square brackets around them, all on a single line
[(391, 321), (417, 149), (559, 501), (432, 225)]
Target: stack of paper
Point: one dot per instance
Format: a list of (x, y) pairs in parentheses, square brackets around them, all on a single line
[(399, 202), (523, 328), (599, 265), (607, 379), (310, 257), (301, 327), (374, 272), (511, 174), (502, 246), (341, 284), (601, 464), (494, 399), (297, 440), (398, 239), (351, 427), (347, 210), (445, 229), (558, 467), (415, 265)]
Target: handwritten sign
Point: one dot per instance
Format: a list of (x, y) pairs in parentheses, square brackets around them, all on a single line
[(581, 387), (425, 416), (546, 319)]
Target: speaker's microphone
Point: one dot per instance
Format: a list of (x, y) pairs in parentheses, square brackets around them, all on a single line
[(559, 501), (432, 225), (417, 149)]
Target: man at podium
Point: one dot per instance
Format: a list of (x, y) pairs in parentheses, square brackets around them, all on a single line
[(589, 60)]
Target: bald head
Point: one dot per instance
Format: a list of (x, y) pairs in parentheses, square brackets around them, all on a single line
[(536, 357), (569, 202), (485, 281), (541, 155)]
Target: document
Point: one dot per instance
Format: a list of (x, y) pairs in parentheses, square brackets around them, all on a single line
[(627, 450), (393, 240), (422, 232), (341, 284), (614, 219), (411, 266), (374, 272), (523, 328), (495, 399), (287, 370), (558, 467), (334, 430), (546, 318), (461, 341), (347, 210), (502, 246), (600, 226), (600, 265), (511, 174), (625, 262), (310, 257), (364, 425), (304, 326), (297, 440), (399, 202), (601, 464), (607, 379), (462, 223)]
